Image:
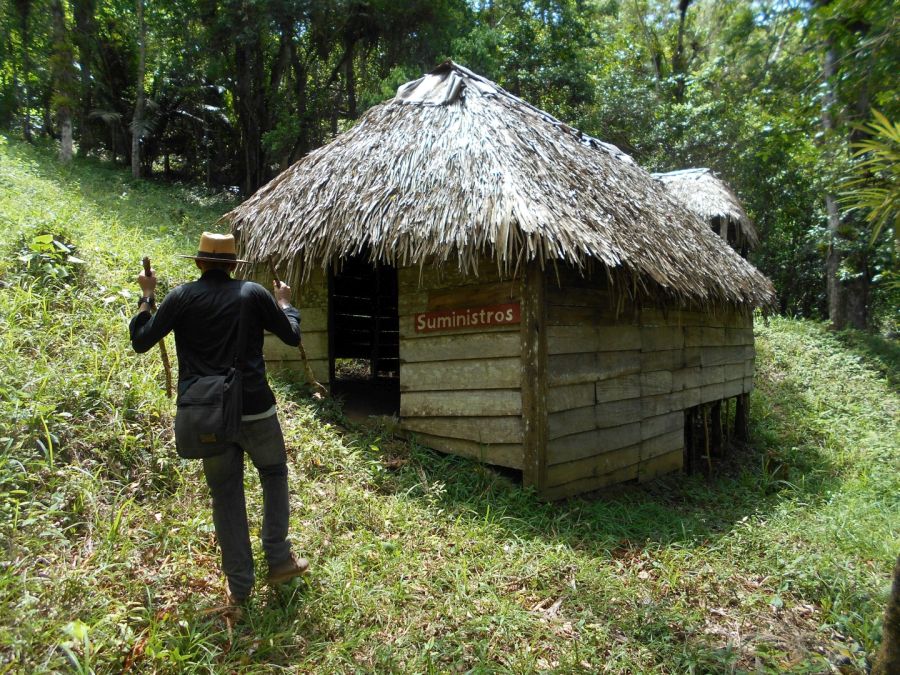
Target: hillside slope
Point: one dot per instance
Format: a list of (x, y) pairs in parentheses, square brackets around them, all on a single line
[(422, 562)]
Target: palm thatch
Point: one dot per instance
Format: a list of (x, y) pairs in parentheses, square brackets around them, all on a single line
[(455, 167), (710, 198)]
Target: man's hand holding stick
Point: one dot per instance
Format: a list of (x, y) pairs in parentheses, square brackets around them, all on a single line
[(147, 282)]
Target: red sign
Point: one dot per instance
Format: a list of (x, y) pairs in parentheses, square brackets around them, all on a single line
[(468, 317)]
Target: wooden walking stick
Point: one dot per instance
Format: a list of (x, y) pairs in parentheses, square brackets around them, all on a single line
[(318, 388), (167, 366)]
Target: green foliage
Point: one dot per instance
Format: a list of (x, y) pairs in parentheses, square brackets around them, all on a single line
[(875, 185), (421, 562), (47, 259), (239, 91)]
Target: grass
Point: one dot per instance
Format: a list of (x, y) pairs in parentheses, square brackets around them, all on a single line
[(422, 562)]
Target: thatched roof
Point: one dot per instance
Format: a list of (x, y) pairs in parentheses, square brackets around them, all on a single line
[(709, 197), (455, 167)]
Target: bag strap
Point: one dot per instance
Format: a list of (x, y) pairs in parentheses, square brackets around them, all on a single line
[(242, 334)]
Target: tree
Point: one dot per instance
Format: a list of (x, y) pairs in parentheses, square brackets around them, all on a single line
[(874, 186), (86, 39), (138, 121), (23, 11), (65, 95)]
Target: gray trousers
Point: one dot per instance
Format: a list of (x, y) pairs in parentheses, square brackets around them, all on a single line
[(263, 441)]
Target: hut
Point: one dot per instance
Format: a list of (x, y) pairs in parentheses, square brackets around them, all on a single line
[(535, 299), (709, 197)]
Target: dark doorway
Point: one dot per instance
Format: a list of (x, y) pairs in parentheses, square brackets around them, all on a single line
[(364, 331)]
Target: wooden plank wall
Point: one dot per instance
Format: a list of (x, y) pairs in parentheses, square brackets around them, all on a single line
[(311, 298), (460, 391), (619, 382)]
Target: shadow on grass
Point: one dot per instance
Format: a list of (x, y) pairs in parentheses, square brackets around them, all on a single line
[(878, 352), (782, 462), (619, 524)]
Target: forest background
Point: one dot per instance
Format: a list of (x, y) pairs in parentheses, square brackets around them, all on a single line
[(780, 97)]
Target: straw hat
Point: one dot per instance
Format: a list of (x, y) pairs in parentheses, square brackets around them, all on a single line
[(216, 248)]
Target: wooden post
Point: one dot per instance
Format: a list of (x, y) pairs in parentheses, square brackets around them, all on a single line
[(689, 441), (534, 377), (706, 439), (718, 447), (742, 418), (727, 421)]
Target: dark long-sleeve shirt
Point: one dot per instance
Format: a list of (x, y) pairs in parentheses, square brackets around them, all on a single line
[(204, 315)]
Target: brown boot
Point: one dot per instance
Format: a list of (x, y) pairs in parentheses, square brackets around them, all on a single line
[(290, 568)]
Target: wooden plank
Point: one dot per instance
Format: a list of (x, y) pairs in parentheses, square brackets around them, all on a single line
[(749, 367), (739, 320), (669, 359), (593, 465), (501, 454), (618, 388), (748, 384), (686, 378), (315, 344), (589, 484), (534, 382), (313, 319), (712, 375), (429, 277), (717, 356), (499, 373), (661, 465), (651, 406), (712, 392), (692, 356), (738, 336), (690, 397), (572, 421), (662, 444), (411, 302), (473, 296), (703, 336), (588, 443), (580, 339), (617, 413), (470, 403), (662, 424), (656, 383), (574, 368), (569, 396), (479, 429), (565, 315), (458, 347), (659, 338), (570, 294), (694, 318), (733, 388), (733, 371)]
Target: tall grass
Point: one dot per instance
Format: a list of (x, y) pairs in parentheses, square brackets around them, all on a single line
[(421, 562)]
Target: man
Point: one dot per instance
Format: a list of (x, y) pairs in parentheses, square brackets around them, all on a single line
[(205, 315)]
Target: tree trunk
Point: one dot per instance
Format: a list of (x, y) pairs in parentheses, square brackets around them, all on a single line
[(63, 79), (678, 62), (847, 299), (137, 122), (350, 76), (834, 258), (85, 39), (23, 7)]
